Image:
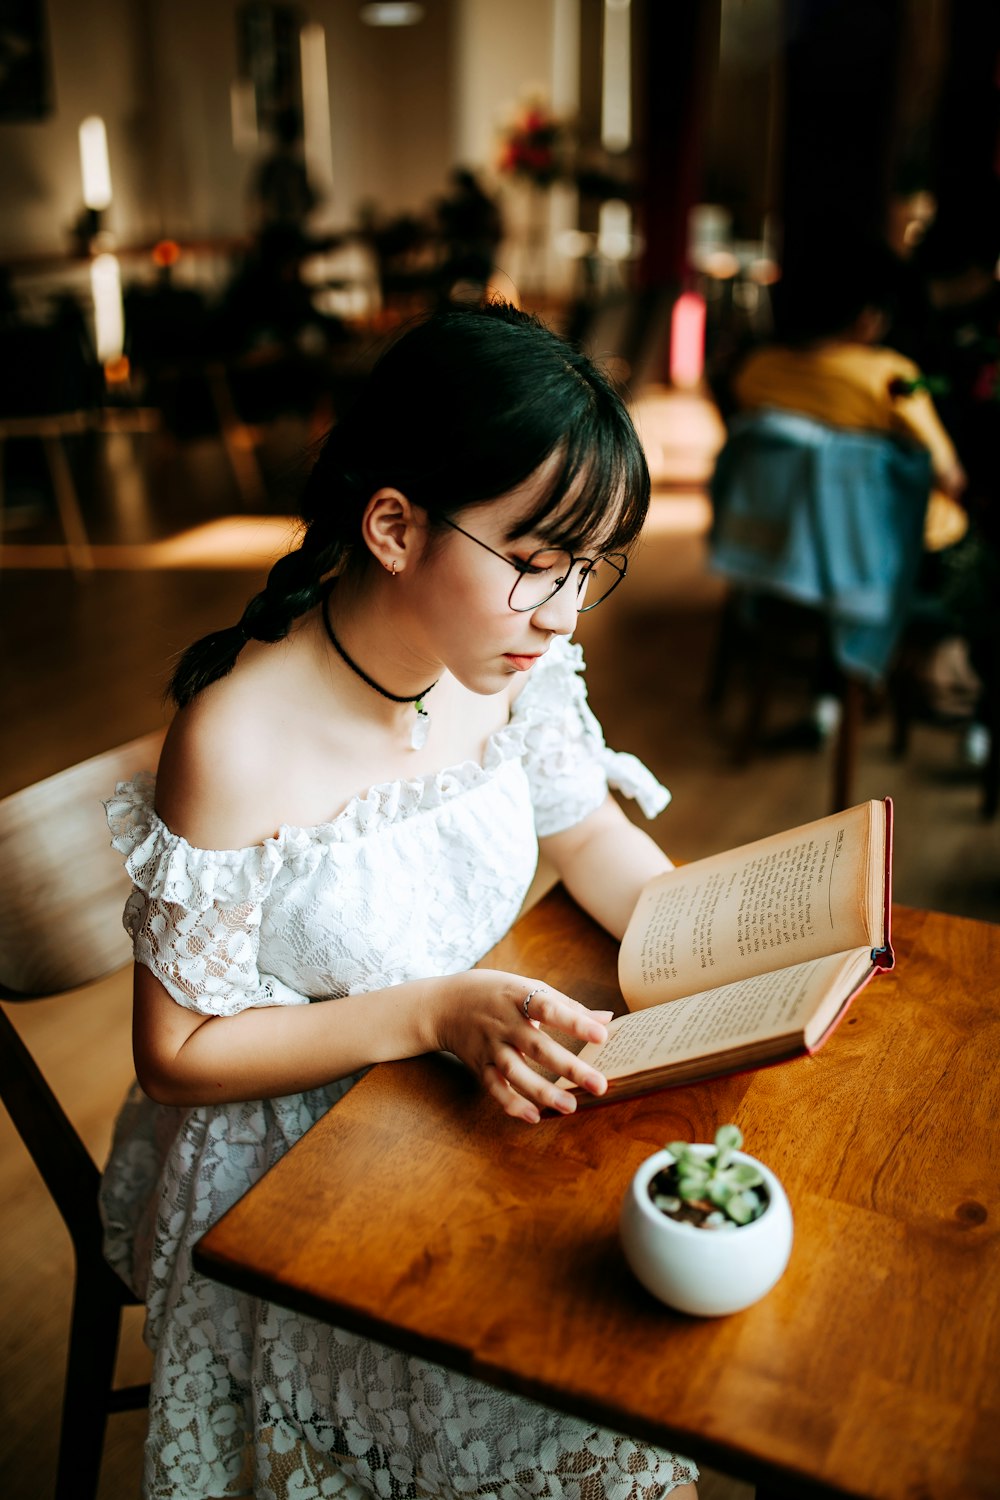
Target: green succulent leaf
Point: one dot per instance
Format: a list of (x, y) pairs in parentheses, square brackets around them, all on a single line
[(739, 1209), (743, 1175), (718, 1178)]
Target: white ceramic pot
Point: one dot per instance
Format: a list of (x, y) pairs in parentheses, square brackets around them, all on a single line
[(704, 1271)]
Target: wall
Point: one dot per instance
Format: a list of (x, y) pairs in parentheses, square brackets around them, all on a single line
[(405, 106), (93, 64)]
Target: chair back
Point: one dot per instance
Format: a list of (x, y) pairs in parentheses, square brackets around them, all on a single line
[(62, 887), (62, 893), (47, 369), (829, 518)]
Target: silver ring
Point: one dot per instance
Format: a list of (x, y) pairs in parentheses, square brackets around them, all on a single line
[(527, 1001)]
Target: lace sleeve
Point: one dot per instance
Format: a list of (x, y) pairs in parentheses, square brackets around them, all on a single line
[(569, 766), (194, 914)]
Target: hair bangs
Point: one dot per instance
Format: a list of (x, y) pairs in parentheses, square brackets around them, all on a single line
[(598, 495)]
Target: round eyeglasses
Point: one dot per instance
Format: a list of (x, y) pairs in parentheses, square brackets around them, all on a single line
[(543, 574)]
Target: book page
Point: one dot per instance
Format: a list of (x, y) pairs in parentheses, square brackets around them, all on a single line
[(782, 900), (798, 1002)]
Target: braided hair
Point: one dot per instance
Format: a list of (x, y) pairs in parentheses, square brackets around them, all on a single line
[(462, 408)]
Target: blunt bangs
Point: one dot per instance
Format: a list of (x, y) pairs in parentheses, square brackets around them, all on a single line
[(598, 496), (466, 407)]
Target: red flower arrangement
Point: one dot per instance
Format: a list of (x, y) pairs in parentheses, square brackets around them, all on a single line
[(533, 146)]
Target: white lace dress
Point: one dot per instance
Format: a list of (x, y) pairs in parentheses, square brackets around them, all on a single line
[(415, 878)]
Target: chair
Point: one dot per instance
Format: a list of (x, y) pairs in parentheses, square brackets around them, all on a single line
[(49, 391), (820, 531), (63, 891)]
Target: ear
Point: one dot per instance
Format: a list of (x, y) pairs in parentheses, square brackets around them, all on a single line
[(392, 529)]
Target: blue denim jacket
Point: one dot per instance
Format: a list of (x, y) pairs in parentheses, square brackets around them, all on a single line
[(827, 517)]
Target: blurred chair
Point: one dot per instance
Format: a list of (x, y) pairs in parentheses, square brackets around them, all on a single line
[(63, 892), (820, 533), (176, 347), (49, 391)]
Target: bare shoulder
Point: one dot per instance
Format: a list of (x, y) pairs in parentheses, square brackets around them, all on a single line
[(214, 785)]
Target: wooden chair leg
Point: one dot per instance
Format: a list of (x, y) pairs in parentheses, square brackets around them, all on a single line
[(759, 682), (70, 514), (236, 439), (846, 749), (90, 1366), (726, 648), (3, 490), (991, 770)]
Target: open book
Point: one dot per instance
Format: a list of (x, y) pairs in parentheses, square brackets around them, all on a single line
[(751, 956)]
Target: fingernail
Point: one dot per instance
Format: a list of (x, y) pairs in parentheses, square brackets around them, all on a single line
[(532, 1117), (566, 1104)]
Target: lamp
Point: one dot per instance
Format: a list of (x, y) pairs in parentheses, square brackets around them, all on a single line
[(392, 13)]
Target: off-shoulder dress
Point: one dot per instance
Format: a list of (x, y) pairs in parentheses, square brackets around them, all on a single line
[(414, 878)]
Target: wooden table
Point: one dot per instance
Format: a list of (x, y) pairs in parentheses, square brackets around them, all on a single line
[(417, 1214)]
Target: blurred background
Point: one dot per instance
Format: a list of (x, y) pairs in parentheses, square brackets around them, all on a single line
[(214, 214)]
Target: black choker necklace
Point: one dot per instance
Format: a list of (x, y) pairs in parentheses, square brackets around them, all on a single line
[(422, 727)]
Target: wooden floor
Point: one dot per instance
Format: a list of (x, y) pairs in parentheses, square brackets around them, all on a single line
[(83, 664)]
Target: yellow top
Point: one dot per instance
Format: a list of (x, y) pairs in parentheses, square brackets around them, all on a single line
[(847, 385)]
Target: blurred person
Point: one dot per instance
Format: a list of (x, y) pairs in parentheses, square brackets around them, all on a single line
[(960, 259), (471, 228), (829, 362)]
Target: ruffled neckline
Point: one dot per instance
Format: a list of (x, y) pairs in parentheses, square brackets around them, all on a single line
[(137, 827)]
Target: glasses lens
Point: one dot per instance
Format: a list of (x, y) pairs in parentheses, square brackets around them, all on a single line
[(546, 571), (606, 573)]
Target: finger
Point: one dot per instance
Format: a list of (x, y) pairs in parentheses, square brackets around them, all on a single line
[(511, 1102), (559, 1061), (551, 1008), (537, 1090)]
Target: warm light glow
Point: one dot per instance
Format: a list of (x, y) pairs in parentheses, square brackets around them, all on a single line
[(243, 115), (614, 229), (574, 243), (94, 164), (109, 317), (392, 13), (117, 371), (616, 77), (236, 542), (317, 135), (565, 57), (723, 265), (166, 253), (687, 340)]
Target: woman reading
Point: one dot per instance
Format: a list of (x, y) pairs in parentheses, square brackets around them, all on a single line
[(346, 817)]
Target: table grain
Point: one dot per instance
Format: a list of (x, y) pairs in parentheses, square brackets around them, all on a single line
[(416, 1214)]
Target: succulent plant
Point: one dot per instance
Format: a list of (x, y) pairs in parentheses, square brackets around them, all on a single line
[(727, 1192)]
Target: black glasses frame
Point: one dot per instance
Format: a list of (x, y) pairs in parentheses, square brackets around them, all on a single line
[(522, 569)]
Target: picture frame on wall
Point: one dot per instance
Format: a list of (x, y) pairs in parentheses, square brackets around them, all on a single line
[(25, 68)]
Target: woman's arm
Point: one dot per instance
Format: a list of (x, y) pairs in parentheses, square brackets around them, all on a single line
[(604, 862), (222, 785), (185, 1058)]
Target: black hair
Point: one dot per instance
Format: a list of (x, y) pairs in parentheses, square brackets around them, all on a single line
[(462, 408), (825, 299)]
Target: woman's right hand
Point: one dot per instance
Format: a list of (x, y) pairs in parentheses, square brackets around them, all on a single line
[(481, 1019)]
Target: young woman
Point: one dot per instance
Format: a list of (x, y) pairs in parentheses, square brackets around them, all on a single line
[(349, 808)]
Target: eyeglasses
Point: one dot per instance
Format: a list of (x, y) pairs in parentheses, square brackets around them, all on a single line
[(543, 574)]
